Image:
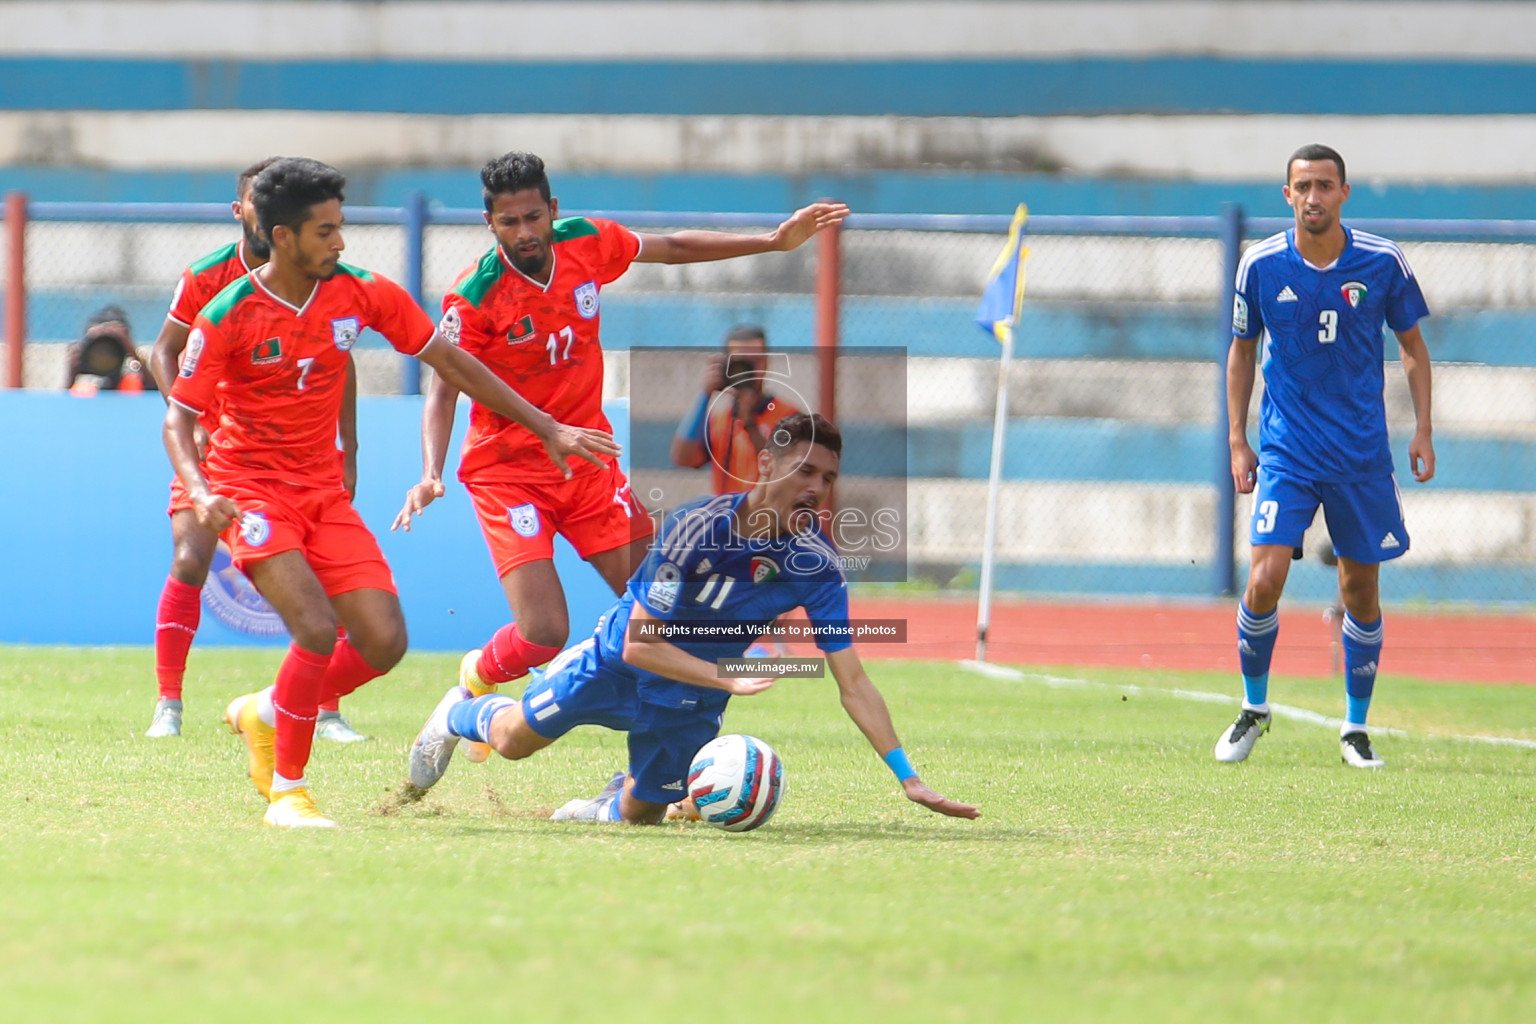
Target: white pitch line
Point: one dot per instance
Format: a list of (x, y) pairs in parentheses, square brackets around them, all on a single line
[(1204, 697)]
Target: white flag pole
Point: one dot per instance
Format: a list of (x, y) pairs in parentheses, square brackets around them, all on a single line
[(994, 480)]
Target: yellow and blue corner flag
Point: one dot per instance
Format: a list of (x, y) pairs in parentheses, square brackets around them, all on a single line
[(1000, 303)]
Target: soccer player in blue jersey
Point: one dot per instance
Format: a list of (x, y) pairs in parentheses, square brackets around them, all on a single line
[(1321, 292), (737, 560)]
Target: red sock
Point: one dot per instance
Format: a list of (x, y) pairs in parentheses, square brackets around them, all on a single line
[(346, 672), (176, 621), (508, 656), (296, 698), (329, 703)]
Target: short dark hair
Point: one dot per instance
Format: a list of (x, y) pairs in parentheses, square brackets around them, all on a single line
[(1316, 151), (746, 332), (245, 177), (803, 428), (512, 172), (285, 191)]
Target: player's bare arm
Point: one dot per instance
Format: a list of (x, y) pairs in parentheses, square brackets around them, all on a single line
[(867, 708), (1242, 360), (703, 246), (670, 660), (347, 428), (437, 414), (1415, 357), (214, 511), (165, 361), (472, 377)]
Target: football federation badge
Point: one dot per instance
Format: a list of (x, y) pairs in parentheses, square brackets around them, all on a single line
[(254, 529), (450, 326), (1354, 293), (1239, 315), (344, 332), (521, 331), (663, 591), (193, 353), (524, 519), (763, 569), (586, 300)]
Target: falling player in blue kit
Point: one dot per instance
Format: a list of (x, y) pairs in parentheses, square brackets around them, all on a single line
[(732, 562), (1322, 292)]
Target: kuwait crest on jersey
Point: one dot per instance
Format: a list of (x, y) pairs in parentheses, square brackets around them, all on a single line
[(586, 300), (521, 331), (344, 332), (763, 569), (1354, 293)]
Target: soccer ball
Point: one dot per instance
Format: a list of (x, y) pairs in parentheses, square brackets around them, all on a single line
[(736, 782)]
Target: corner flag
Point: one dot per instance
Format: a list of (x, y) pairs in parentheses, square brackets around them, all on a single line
[(999, 310)]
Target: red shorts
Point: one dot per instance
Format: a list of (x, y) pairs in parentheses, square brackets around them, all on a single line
[(595, 512), (318, 521), (180, 502)]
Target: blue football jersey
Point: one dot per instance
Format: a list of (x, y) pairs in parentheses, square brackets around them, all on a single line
[(1323, 417), (701, 572)]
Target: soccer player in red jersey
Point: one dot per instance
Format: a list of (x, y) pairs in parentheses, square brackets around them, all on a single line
[(530, 309), (269, 354), (180, 608)]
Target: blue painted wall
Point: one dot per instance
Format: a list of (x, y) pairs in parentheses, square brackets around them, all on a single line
[(918, 88), (85, 542)]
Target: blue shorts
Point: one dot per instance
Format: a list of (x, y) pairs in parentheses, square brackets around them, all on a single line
[(1365, 519), (578, 690)]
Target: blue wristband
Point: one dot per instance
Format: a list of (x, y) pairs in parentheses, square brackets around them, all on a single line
[(897, 762), (692, 426)]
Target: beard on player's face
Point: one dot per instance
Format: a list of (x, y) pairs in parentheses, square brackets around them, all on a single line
[(256, 244), (530, 263)]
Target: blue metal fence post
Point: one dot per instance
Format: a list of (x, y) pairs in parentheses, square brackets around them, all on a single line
[(415, 248), (1224, 580)]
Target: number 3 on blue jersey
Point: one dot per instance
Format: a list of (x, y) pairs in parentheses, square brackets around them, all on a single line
[(1264, 522), (1328, 320)]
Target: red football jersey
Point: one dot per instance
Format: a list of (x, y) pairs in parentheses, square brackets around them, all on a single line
[(199, 283), (276, 373), (542, 340)]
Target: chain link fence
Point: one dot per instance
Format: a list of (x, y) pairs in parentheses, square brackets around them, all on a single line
[(1115, 443)]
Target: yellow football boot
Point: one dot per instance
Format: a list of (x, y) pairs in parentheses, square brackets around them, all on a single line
[(469, 678), (295, 809), (243, 721)]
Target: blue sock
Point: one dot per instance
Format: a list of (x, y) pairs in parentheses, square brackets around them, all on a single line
[(1362, 650), (1255, 645), (471, 719), (610, 810)]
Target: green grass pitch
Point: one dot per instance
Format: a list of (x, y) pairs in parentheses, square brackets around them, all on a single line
[(1119, 873)]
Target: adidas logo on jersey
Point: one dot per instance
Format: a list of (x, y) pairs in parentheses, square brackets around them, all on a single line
[(1390, 541), (1286, 295), (704, 566)]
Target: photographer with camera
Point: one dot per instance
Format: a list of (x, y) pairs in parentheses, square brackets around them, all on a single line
[(732, 418), (105, 359)]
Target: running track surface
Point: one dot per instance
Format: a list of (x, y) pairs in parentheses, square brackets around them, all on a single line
[(1483, 648)]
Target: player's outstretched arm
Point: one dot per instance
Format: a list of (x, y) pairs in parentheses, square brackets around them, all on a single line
[(475, 379), (867, 709), (669, 660), (1415, 357), (214, 511), (165, 354), (1242, 360), (436, 430), (702, 246)]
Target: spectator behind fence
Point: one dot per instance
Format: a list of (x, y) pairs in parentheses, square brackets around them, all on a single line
[(730, 430), (105, 359)]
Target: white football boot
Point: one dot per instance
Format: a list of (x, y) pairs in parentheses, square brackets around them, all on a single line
[(1237, 742), (434, 745), (1355, 748)]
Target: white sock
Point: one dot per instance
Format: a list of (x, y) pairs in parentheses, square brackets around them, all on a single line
[(282, 785), (1349, 727), (1262, 709), (264, 707)]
